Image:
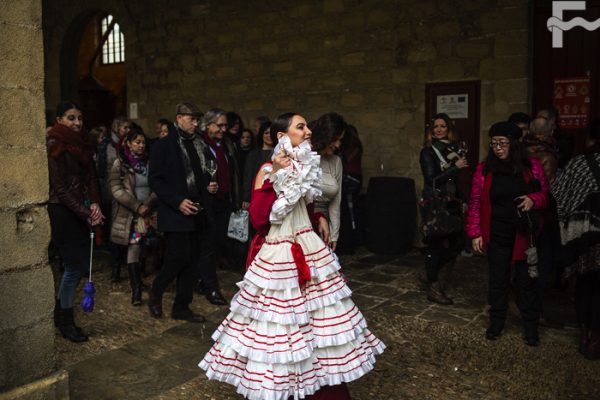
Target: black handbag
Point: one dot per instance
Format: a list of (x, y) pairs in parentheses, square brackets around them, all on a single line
[(441, 215)]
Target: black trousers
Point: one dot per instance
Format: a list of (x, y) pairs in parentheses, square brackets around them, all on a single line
[(439, 252), (587, 300), (206, 264), (180, 263), (499, 260)]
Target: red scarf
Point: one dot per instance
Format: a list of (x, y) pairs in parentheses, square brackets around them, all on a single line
[(223, 178), (77, 144)]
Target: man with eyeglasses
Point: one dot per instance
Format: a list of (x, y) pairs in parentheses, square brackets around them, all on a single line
[(178, 177), (222, 151)]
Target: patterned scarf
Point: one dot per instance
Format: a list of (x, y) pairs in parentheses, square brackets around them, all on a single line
[(187, 164), (138, 163)]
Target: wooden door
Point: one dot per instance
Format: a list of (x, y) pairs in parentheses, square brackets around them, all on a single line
[(439, 97)]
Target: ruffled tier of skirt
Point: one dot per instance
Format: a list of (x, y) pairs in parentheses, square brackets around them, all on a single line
[(284, 341)]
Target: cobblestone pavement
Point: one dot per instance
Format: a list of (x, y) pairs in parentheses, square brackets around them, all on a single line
[(433, 352)]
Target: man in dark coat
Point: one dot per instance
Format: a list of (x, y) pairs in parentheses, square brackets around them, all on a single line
[(178, 177)]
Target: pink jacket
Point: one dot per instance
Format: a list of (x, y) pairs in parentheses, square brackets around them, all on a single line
[(479, 211)]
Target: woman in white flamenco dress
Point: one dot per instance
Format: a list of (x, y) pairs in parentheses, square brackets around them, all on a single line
[(293, 331)]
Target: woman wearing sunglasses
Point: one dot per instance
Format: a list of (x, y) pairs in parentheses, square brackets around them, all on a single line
[(507, 185)]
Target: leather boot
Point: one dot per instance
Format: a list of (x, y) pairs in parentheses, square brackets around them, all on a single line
[(592, 350), (135, 281), (437, 295), (584, 337), (68, 329), (115, 275), (155, 304), (531, 336)]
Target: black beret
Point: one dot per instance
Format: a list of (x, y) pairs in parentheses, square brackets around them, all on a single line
[(505, 128)]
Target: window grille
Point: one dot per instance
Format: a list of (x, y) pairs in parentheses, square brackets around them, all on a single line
[(113, 50)]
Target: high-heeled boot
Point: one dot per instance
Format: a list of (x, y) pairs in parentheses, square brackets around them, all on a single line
[(67, 327), (436, 294), (135, 280)]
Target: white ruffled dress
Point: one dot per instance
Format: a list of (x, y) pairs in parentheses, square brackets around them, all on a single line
[(282, 340)]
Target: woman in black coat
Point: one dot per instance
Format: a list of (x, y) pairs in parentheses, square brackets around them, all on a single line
[(440, 164)]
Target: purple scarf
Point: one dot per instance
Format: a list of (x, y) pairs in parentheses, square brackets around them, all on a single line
[(138, 163)]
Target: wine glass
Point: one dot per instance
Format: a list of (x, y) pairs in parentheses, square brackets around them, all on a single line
[(211, 168)]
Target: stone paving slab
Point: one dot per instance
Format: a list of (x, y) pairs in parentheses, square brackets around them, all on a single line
[(151, 365)]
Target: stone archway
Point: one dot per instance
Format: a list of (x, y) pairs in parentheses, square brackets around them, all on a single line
[(64, 25)]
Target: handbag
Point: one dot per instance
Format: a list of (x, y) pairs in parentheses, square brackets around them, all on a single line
[(238, 225), (441, 215)]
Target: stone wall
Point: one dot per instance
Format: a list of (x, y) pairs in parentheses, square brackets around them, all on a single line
[(26, 297), (368, 60)]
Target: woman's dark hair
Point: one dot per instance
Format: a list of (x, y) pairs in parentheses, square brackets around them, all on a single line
[(519, 118), (65, 106), (232, 118), (281, 124), (246, 130), (429, 131), (327, 129), (261, 131), (351, 137), (134, 133), (517, 162)]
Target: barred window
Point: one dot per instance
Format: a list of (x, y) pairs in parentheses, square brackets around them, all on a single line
[(113, 50)]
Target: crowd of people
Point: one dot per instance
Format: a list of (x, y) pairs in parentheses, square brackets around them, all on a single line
[(531, 210)]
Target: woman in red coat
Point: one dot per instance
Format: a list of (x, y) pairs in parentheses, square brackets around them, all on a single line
[(508, 184)]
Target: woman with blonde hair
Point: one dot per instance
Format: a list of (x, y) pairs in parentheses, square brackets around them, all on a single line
[(440, 164)]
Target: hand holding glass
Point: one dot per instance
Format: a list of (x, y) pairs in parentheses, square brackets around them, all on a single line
[(211, 168)]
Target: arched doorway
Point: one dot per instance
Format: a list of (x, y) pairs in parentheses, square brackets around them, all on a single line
[(93, 67)]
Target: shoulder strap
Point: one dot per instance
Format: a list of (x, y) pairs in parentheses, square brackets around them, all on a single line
[(443, 161), (593, 164)]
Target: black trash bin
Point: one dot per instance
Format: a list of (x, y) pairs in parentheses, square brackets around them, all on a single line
[(391, 215)]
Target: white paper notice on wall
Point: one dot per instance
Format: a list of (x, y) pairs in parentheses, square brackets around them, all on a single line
[(455, 105), (133, 111)]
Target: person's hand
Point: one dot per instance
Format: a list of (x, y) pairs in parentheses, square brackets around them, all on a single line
[(95, 210), (461, 163), (143, 210), (96, 216), (245, 205), (477, 244), (526, 203), (281, 160), (323, 228), (212, 187), (333, 245), (188, 207)]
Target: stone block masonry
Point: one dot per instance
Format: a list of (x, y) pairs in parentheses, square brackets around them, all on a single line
[(364, 60), (27, 295)]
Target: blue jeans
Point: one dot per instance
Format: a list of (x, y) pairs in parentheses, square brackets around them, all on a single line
[(68, 286)]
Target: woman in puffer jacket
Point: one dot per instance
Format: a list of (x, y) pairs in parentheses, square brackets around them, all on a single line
[(132, 202), (506, 186)]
